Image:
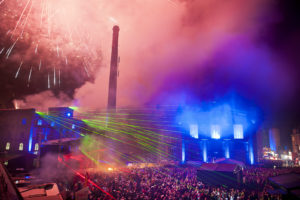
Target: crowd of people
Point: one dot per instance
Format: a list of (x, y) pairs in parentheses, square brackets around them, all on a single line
[(259, 175), (168, 183)]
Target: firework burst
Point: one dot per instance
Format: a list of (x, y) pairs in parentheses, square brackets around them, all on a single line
[(49, 38)]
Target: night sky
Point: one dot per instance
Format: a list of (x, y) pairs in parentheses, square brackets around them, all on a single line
[(279, 33)]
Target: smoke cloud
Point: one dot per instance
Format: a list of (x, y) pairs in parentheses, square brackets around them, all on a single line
[(179, 51), (43, 101), (182, 51)]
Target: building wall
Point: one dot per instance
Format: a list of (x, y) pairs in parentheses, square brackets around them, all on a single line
[(27, 127), (15, 128), (262, 140), (274, 139), (296, 141)]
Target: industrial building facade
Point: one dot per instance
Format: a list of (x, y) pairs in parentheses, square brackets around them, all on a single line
[(23, 131), (140, 134)]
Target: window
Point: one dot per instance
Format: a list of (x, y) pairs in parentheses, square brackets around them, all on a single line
[(7, 147), (215, 131), (36, 147), (52, 124), (238, 131), (39, 122), (24, 121), (21, 147), (73, 126)]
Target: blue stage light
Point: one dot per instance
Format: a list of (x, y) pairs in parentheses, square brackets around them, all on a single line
[(238, 131), (30, 140), (204, 152), (194, 131), (215, 131), (183, 152)]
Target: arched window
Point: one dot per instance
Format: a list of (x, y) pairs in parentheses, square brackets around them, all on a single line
[(7, 147), (21, 147), (36, 147)]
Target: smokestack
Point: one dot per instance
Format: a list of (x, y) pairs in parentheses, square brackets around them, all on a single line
[(112, 91)]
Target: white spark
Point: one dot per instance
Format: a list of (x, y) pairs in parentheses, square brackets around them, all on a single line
[(48, 81), (59, 77), (54, 77), (36, 48), (29, 77), (16, 76), (2, 50), (40, 65)]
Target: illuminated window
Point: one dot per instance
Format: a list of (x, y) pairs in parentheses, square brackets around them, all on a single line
[(194, 130), (73, 126), (36, 147), (6, 163), (52, 124), (215, 131), (21, 147), (39, 122), (238, 131), (7, 147)]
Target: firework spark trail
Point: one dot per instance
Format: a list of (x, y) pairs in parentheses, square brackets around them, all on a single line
[(26, 20), (69, 31), (48, 20), (29, 76), (17, 73), (58, 77), (18, 22), (48, 81), (86, 70), (8, 52), (42, 13), (57, 50), (36, 48), (54, 77), (48, 28), (2, 50), (173, 3)]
